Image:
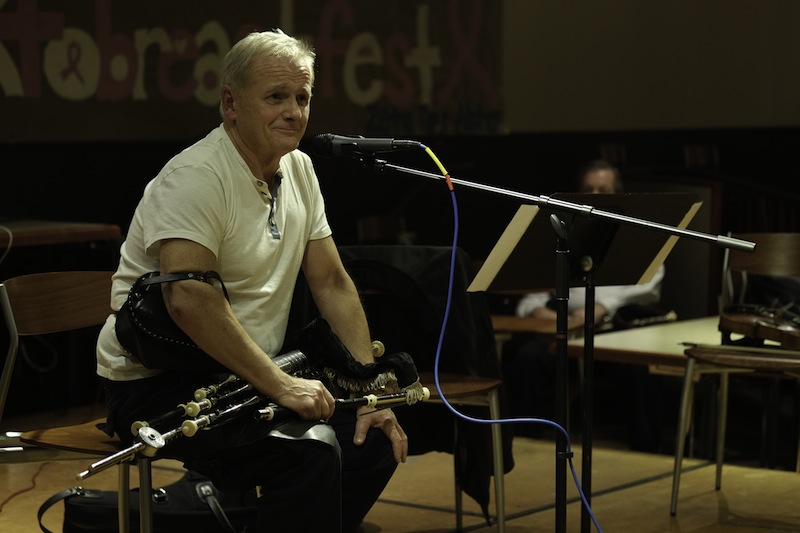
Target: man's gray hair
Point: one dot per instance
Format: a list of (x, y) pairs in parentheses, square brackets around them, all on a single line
[(275, 43)]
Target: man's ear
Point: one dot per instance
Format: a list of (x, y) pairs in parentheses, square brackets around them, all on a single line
[(227, 102)]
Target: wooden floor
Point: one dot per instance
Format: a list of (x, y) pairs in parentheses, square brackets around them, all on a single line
[(631, 493)]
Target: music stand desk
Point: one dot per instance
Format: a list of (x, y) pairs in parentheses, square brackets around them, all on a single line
[(49, 232)]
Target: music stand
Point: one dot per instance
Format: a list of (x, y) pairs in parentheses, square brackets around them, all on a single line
[(591, 252)]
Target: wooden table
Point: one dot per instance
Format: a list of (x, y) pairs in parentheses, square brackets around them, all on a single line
[(507, 325), (528, 324), (48, 232), (660, 345)]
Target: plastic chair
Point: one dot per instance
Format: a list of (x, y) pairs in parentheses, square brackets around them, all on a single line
[(744, 329), (54, 302)]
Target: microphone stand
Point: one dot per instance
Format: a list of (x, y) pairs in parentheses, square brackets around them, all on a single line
[(563, 455), (561, 228)]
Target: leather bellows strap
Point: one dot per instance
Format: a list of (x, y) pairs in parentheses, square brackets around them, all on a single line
[(148, 333)]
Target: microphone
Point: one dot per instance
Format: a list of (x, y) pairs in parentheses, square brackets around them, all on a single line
[(328, 144)]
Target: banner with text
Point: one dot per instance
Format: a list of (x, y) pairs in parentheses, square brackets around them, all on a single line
[(94, 70)]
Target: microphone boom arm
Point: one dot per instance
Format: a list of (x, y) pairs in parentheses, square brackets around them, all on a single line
[(587, 211)]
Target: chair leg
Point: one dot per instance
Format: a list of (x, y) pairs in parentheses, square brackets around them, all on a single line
[(722, 418), (458, 493), (499, 469), (684, 416), (796, 419), (145, 495), (459, 508), (497, 454), (797, 460), (124, 496)]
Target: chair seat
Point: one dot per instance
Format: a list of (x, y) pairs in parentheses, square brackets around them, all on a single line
[(462, 387), (82, 438), (747, 358)]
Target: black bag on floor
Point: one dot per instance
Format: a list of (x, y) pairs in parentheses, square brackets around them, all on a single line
[(192, 503)]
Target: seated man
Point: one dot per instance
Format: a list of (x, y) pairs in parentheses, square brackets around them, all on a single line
[(245, 203)]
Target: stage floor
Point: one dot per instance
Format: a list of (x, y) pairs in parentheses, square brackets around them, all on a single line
[(631, 492)]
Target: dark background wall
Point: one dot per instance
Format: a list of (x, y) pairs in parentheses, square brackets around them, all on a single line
[(687, 96), (749, 184)]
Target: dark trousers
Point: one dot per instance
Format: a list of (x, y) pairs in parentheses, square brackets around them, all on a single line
[(311, 475)]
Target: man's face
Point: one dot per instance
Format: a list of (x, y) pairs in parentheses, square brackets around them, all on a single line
[(598, 181), (272, 111)]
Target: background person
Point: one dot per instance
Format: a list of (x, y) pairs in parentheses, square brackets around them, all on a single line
[(530, 368)]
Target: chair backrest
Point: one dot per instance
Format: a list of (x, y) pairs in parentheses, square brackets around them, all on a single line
[(776, 255), (50, 302)]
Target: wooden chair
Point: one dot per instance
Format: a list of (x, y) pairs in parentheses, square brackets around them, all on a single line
[(460, 389), (54, 302), (403, 289), (771, 340)]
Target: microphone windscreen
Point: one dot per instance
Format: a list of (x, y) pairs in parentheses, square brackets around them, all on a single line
[(322, 145)]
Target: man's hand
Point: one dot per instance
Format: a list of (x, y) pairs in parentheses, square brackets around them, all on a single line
[(383, 419), (307, 397)]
